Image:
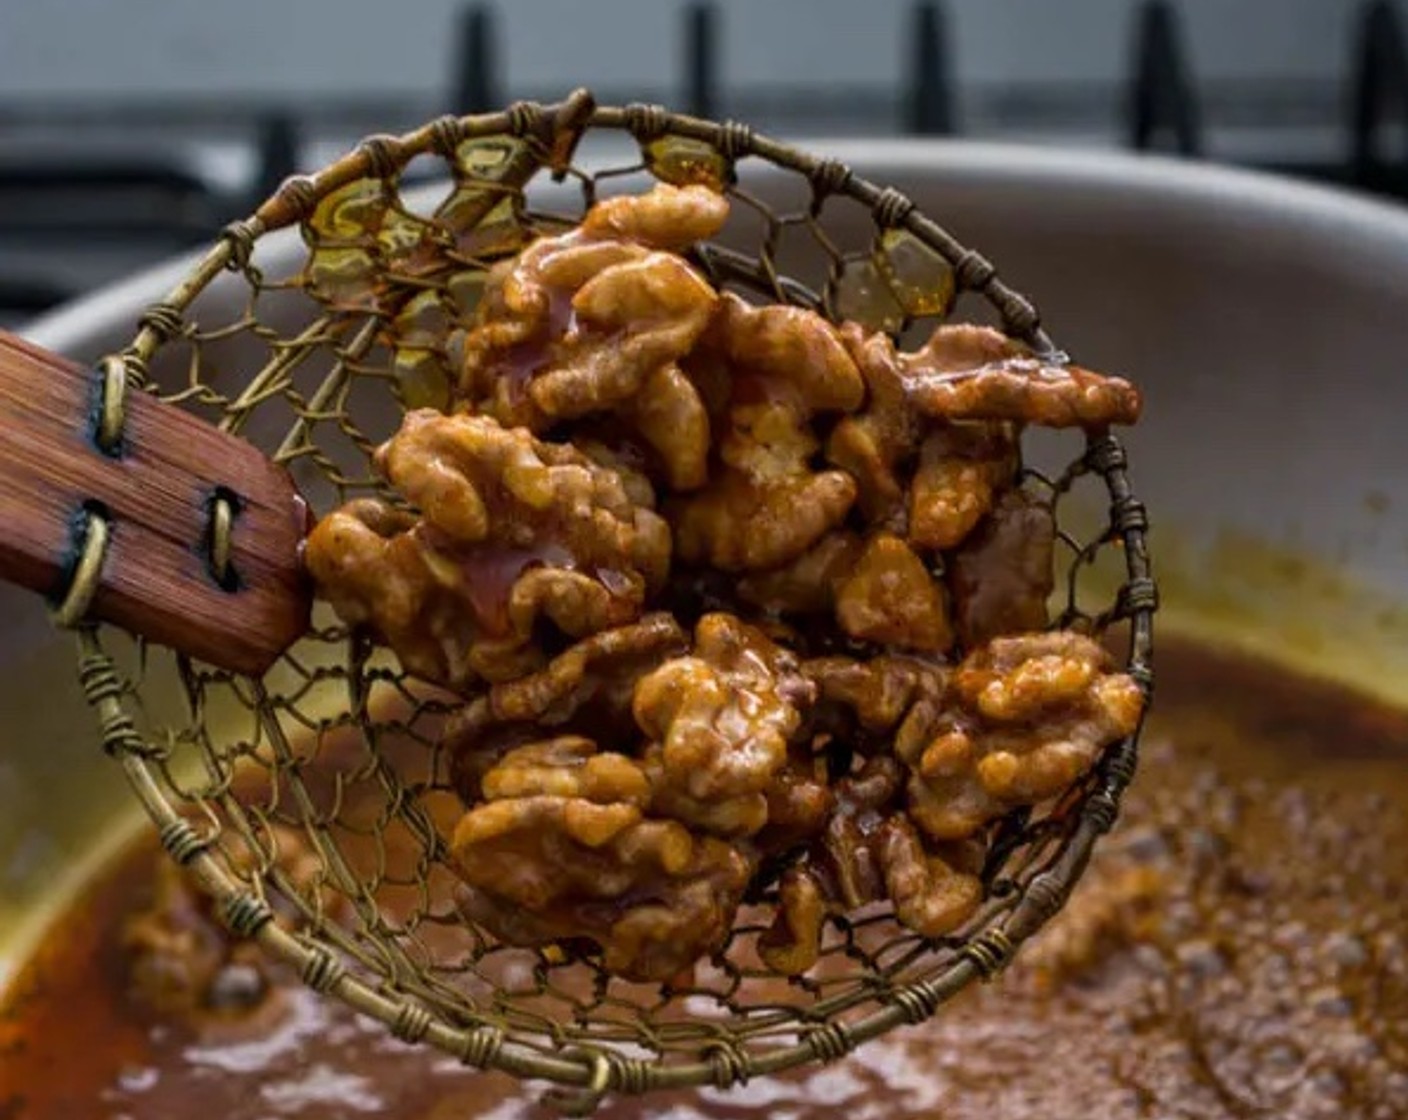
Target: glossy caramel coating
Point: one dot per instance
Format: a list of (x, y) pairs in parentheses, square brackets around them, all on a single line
[(723, 584)]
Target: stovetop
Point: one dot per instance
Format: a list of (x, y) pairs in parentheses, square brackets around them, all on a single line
[(94, 185)]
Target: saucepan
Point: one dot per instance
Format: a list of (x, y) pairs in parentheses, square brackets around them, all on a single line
[(1266, 321)]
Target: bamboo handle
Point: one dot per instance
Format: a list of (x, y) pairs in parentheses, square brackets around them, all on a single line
[(121, 508)]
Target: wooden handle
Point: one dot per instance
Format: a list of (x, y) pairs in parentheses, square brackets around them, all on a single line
[(124, 509)]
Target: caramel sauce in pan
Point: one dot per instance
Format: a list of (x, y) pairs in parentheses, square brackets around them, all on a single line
[(1238, 950)]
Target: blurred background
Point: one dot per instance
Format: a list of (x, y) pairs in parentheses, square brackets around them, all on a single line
[(131, 130)]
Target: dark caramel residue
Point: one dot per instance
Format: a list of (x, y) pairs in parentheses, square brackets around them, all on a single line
[(1239, 949)]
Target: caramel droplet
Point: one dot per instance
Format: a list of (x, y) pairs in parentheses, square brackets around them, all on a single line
[(683, 162), (920, 280)]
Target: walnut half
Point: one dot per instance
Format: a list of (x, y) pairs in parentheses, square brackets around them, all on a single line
[(1026, 718), (511, 530), (561, 850)]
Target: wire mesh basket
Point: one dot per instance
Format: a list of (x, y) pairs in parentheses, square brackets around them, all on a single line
[(338, 751)]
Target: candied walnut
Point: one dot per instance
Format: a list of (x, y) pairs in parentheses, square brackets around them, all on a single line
[(767, 440), (849, 852), (665, 217), (721, 719), (810, 583), (962, 346), (880, 691), (870, 445), (961, 467), (919, 726), (629, 321), (930, 896), (767, 505), (663, 938), (799, 801), (742, 525), (541, 869), (870, 852), (842, 871), (945, 798), (1003, 575), (791, 944), (626, 458), (588, 689), (724, 714), (512, 530), (594, 320), (602, 669), (890, 598), (895, 699), (526, 303), (1027, 717), (793, 347), (670, 416), (367, 562), (568, 766), (963, 373), (476, 742), (732, 816), (968, 372)]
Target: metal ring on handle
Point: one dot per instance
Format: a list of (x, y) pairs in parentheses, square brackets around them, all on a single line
[(93, 533)]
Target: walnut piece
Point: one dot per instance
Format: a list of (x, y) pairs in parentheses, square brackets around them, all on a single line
[(1003, 575), (967, 372), (630, 320), (722, 718), (670, 416), (512, 530), (594, 321), (664, 217), (585, 691), (1028, 716), (961, 467), (794, 350), (891, 599), (842, 872), (792, 944), (587, 864), (745, 525), (880, 691), (767, 505), (870, 852), (729, 815), (848, 856), (748, 526), (599, 672), (869, 445), (568, 766), (810, 583), (963, 373), (800, 800), (930, 896)]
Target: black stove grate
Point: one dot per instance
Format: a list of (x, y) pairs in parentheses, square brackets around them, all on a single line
[(143, 201)]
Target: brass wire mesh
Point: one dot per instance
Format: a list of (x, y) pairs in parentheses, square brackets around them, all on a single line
[(335, 746)]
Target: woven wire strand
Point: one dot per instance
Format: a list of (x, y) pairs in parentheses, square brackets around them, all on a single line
[(335, 746)]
